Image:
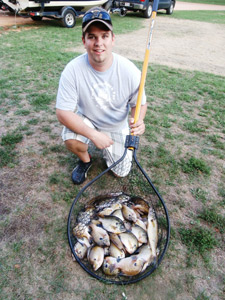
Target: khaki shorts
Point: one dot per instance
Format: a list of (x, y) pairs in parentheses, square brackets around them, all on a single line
[(110, 154)]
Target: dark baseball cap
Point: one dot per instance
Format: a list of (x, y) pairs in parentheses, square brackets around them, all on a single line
[(96, 14)]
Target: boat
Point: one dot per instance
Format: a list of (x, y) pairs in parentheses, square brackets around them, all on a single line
[(66, 11)]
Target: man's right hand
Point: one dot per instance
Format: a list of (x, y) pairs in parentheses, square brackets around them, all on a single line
[(101, 140)]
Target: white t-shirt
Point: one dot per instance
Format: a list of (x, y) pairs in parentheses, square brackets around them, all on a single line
[(103, 97)]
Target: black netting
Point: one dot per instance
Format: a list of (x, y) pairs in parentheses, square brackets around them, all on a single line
[(138, 184)]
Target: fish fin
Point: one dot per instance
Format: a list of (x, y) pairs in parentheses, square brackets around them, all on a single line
[(155, 262)]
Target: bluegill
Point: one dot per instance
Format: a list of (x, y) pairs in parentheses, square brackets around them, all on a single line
[(130, 266), (99, 235), (112, 224), (129, 213), (140, 233), (116, 252), (109, 210), (145, 253), (81, 230), (116, 240), (129, 241), (80, 250), (95, 256), (109, 266)]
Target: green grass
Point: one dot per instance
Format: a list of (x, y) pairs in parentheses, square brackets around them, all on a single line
[(217, 2)]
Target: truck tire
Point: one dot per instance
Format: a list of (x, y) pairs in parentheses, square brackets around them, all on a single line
[(169, 10), (148, 12), (69, 18)]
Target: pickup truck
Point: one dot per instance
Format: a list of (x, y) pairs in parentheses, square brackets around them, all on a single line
[(143, 6)]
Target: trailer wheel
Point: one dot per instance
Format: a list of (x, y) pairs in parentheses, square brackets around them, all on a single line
[(69, 18)]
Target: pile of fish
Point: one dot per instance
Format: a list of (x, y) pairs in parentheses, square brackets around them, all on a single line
[(118, 233)]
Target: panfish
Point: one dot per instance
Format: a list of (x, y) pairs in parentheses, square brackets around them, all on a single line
[(130, 266), (152, 231), (140, 223), (118, 213), (80, 250), (112, 224), (108, 200), (140, 205), (116, 252), (84, 241), (114, 238), (109, 266), (129, 213), (140, 233), (145, 253), (129, 241), (99, 235), (81, 230), (86, 215), (95, 256), (109, 210)]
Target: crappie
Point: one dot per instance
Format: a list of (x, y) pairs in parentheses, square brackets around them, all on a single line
[(81, 230), (95, 256), (130, 266), (85, 216), (109, 210), (129, 213), (140, 233), (99, 235), (112, 224), (109, 266), (129, 241), (152, 231), (116, 252)]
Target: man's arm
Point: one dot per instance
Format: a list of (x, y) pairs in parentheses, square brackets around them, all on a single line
[(76, 124), (139, 127)]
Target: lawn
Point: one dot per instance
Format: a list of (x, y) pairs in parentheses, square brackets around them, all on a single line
[(182, 151)]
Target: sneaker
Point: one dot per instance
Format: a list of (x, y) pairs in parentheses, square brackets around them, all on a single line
[(79, 173)]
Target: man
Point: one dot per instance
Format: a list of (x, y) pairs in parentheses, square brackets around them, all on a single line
[(96, 91)]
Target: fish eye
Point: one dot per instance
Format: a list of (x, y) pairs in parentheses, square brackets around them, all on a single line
[(101, 238), (135, 264)]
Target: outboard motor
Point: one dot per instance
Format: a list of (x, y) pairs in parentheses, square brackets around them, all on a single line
[(123, 12)]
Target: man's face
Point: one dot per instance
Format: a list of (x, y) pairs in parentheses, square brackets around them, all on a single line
[(98, 43)]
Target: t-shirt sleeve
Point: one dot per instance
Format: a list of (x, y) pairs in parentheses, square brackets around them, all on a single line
[(67, 91)]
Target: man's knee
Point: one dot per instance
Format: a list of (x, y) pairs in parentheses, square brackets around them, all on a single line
[(74, 145)]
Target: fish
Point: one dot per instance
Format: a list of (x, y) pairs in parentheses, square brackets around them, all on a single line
[(145, 253), (129, 241), (95, 256), (140, 233), (99, 235), (80, 250), (109, 210), (114, 238), (84, 241), (85, 216), (116, 252), (112, 224), (130, 266), (140, 205), (81, 230), (118, 213), (129, 213), (152, 231), (140, 223), (108, 201), (109, 266)]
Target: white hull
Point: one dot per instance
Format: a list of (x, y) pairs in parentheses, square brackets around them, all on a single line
[(25, 5)]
